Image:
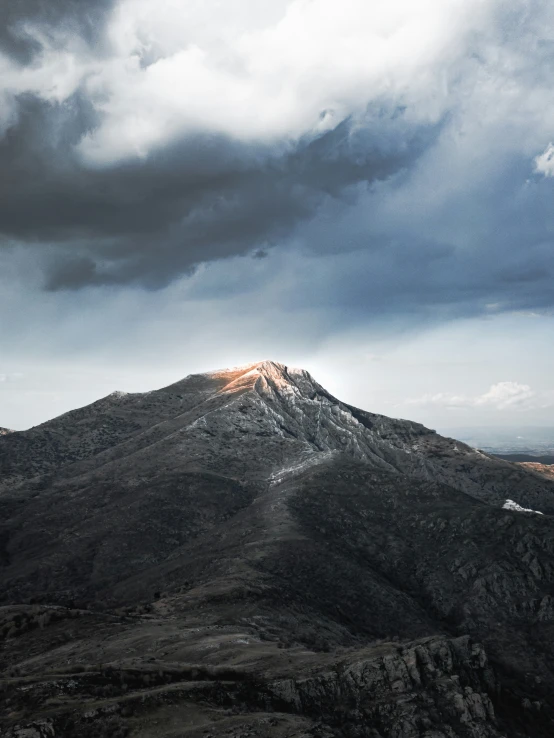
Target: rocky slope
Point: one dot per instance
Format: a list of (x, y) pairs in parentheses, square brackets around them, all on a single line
[(85, 432), (547, 470), (243, 554)]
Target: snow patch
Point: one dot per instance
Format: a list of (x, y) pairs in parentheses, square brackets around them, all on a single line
[(511, 505)]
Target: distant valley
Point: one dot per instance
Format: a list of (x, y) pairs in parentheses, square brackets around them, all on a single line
[(534, 441)]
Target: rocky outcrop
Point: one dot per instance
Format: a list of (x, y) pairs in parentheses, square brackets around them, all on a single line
[(415, 690), (547, 470), (34, 729), (432, 688)]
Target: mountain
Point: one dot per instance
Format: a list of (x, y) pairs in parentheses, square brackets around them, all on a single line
[(242, 554), (547, 460)]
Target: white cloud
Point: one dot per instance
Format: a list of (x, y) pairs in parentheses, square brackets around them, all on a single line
[(276, 70), (271, 79), (500, 396), (271, 69), (544, 164), (506, 394)]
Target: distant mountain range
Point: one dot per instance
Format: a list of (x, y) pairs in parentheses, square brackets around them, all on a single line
[(507, 441), (526, 457), (242, 554)]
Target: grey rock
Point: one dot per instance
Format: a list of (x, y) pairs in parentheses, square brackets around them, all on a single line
[(36, 729)]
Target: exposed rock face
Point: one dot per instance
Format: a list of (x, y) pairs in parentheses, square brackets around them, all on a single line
[(546, 470), (243, 539), (420, 689), (36, 729)]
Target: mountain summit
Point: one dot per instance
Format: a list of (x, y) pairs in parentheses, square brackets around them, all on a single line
[(242, 538), (283, 414)]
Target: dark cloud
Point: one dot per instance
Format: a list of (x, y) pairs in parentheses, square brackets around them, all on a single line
[(73, 270), (398, 221), (201, 198), (483, 251), (486, 246), (19, 18)]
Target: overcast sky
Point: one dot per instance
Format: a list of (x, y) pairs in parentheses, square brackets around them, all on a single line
[(361, 188)]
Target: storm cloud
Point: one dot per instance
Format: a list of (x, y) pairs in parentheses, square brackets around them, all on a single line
[(403, 150), (27, 25), (197, 199)]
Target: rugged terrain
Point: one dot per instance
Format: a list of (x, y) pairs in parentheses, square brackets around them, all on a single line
[(547, 470), (241, 554)]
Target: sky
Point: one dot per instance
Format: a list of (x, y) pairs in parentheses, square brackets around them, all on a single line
[(363, 189)]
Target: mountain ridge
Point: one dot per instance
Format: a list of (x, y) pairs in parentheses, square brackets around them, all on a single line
[(265, 373), (247, 519)]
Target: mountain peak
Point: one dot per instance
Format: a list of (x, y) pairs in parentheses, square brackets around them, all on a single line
[(278, 375), (267, 366), (274, 368)]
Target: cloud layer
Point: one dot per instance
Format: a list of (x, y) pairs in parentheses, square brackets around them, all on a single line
[(500, 396), (403, 150)]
